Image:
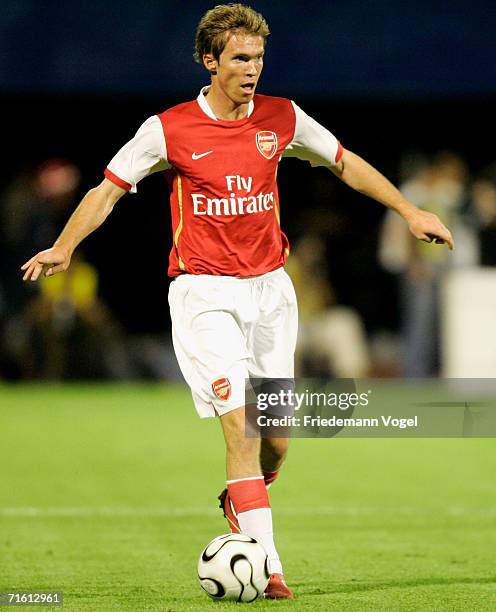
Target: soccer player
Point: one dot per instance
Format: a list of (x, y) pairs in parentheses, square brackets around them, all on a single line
[(233, 307)]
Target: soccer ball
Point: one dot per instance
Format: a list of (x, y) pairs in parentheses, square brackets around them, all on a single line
[(234, 567)]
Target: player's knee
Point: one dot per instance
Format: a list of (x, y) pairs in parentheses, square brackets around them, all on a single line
[(240, 445), (237, 440), (233, 423)]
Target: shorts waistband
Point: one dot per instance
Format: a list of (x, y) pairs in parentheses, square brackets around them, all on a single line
[(229, 279)]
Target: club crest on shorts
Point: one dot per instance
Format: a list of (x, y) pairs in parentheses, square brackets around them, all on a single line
[(222, 388), (267, 143)]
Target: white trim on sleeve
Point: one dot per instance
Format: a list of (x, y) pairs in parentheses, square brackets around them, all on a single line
[(143, 155), (312, 142)]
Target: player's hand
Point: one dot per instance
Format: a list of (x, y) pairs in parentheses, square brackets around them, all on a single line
[(428, 227), (49, 262)]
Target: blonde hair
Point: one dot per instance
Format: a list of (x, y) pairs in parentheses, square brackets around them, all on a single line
[(211, 34)]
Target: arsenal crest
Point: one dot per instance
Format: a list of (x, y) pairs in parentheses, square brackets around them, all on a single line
[(267, 143), (222, 388)]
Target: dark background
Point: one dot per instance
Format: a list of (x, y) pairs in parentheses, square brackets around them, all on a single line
[(386, 78), (322, 49)]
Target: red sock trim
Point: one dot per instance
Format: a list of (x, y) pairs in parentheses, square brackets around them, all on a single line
[(269, 477), (248, 495)]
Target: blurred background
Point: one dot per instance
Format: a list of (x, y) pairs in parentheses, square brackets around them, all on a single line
[(410, 87)]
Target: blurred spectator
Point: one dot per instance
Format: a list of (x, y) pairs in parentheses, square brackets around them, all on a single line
[(33, 209), (440, 187), (483, 209), (331, 338), (57, 328)]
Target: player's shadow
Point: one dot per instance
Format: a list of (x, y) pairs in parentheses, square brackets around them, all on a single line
[(393, 584)]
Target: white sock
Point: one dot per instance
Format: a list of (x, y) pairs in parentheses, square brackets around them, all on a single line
[(258, 524)]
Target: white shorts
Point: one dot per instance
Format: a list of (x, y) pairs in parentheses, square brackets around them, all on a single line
[(227, 329)]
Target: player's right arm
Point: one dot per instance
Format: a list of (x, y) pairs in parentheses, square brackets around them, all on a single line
[(94, 208), (143, 155)]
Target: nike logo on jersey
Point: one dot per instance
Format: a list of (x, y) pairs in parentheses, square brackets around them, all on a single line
[(199, 155)]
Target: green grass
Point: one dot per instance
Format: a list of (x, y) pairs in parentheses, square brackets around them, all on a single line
[(108, 494)]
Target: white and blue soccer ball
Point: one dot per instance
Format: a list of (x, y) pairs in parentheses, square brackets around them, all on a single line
[(234, 567)]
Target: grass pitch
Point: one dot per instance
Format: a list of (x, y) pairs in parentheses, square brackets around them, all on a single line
[(108, 494)]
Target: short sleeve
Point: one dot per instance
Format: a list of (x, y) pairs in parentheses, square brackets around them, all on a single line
[(312, 142), (143, 155)]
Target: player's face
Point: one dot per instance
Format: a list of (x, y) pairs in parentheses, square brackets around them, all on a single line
[(239, 67)]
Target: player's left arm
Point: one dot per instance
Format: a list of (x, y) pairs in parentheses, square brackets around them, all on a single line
[(361, 176)]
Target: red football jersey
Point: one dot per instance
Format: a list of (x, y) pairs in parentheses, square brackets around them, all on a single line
[(223, 190), (222, 180)]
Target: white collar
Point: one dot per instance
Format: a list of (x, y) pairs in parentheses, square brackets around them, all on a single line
[(204, 105)]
